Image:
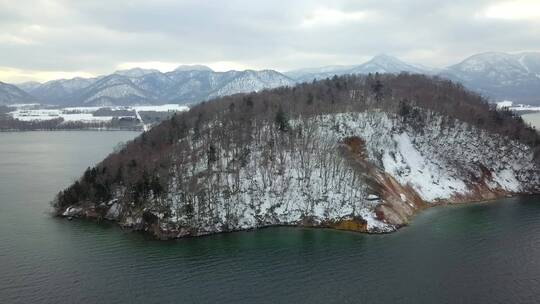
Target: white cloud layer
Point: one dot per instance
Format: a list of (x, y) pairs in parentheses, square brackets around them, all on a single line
[(514, 10), (46, 38)]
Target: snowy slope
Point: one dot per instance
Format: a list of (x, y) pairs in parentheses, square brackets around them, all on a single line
[(387, 64), (28, 86), (251, 81), (10, 94), (378, 64), (309, 74), (500, 76), (136, 72), (114, 90), (62, 91)]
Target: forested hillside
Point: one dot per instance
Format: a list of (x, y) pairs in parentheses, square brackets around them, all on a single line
[(352, 152)]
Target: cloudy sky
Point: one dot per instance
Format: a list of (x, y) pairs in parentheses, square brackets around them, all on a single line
[(48, 39)]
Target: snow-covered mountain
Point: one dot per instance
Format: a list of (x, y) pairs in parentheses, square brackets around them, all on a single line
[(378, 64), (387, 64), (309, 74), (500, 76), (114, 89), (61, 91), (28, 86), (136, 72), (201, 84), (186, 84), (192, 67), (250, 81), (10, 94)]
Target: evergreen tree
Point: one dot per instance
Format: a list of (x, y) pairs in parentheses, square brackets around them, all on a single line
[(377, 89), (282, 121)]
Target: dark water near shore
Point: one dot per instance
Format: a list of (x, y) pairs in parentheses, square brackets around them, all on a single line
[(480, 253)]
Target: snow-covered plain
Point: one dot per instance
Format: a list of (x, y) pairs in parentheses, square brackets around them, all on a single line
[(33, 112), (44, 114), (509, 105)]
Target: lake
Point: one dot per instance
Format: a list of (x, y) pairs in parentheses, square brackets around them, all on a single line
[(477, 253), (533, 119)]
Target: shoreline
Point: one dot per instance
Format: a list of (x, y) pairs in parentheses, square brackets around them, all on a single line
[(163, 235)]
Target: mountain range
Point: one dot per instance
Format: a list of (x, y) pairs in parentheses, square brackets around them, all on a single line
[(497, 76), (500, 76), (186, 84), (378, 64)]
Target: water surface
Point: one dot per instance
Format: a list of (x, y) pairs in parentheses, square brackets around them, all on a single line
[(533, 119), (480, 253)]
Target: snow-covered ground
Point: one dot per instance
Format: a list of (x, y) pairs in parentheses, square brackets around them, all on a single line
[(504, 104), (507, 104), (162, 108), (524, 108), (33, 112), (42, 114)]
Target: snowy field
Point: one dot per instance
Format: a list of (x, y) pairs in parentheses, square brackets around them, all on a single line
[(35, 112), (516, 107)]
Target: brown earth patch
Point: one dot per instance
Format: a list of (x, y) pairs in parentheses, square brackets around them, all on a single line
[(357, 224)]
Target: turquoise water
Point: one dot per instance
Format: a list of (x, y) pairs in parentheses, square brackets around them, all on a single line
[(479, 253)]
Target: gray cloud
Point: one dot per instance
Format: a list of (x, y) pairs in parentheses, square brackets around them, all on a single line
[(98, 36)]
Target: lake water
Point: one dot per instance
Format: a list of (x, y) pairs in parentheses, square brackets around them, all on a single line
[(533, 119), (479, 253)]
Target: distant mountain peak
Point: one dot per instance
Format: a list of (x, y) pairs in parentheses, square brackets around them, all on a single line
[(193, 67), (385, 57), (480, 63), (384, 63), (136, 72)]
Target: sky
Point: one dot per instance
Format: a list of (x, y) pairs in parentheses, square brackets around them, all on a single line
[(42, 40)]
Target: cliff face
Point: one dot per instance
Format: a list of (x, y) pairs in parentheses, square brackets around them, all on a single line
[(365, 171)]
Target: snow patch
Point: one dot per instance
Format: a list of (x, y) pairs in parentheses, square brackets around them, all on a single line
[(408, 166), (507, 180)]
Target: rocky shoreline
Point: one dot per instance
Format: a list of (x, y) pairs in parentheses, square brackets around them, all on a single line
[(146, 222)]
